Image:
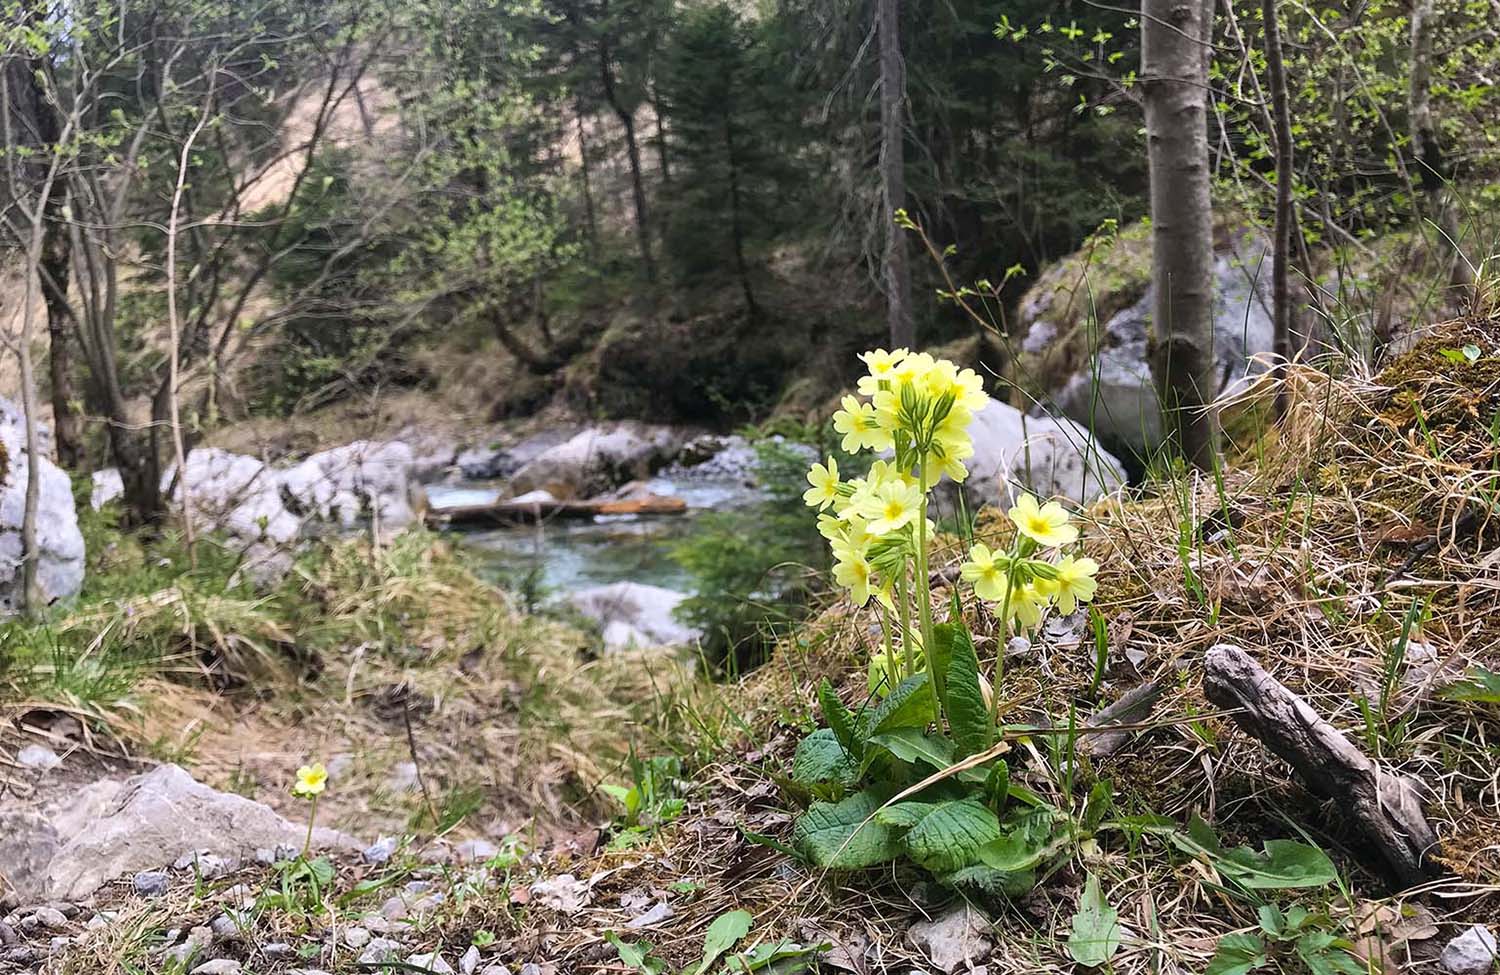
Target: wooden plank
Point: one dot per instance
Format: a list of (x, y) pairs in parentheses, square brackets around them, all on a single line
[(513, 512)]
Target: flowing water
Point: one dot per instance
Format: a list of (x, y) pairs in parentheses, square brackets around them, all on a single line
[(565, 555)]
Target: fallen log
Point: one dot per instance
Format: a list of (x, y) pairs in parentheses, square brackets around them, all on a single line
[(1387, 807), (1133, 706), (512, 512)]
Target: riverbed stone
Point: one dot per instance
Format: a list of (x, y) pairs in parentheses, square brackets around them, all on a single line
[(361, 483), (600, 458), (634, 614), (1474, 952)]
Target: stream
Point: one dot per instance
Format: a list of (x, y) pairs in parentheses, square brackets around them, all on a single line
[(564, 555)]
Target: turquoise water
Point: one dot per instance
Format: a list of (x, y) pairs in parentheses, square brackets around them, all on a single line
[(564, 555)]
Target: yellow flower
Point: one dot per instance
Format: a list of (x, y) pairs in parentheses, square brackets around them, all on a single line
[(1026, 605), (1045, 524), (891, 507), (860, 425), (989, 574), (1075, 582), (882, 366), (311, 781), (825, 485), (856, 575)]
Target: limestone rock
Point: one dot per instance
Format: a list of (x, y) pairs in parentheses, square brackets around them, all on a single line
[(147, 821), (1047, 456), (957, 941), (600, 458), (61, 562), (353, 485), (1473, 952), (634, 614)]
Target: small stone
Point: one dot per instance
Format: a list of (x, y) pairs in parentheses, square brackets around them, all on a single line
[(958, 940), (150, 883), (380, 851), (1471, 953), (97, 923), (38, 757), (50, 918), (379, 950), (403, 778), (58, 945), (225, 926), (430, 962), (472, 850), (278, 951), (531, 968), (469, 963), (376, 923), (219, 966), (19, 955), (1018, 646), (209, 866), (7, 935), (495, 969), (356, 938), (394, 909)]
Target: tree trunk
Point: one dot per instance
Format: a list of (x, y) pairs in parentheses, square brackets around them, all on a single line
[(1430, 161), (736, 220), (590, 225), (633, 150), (893, 175), (1174, 37), (1281, 250)]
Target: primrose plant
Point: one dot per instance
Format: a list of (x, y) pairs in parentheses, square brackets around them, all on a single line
[(932, 705)]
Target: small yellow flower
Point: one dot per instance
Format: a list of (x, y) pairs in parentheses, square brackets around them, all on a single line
[(882, 364), (311, 781), (1075, 582), (1045, 524), (989, 574), (825, 485), (891, 507), (1026, 605), (856, 575), (860, 425)]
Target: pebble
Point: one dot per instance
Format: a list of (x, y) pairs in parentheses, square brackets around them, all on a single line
[(1471, 953), (278, 951), (469, 963), (219, 966), (38, 757), (283, 853), (496, 969), (379, 950), (58, 945), (19, 955), (48, 917), (150, 883), (376, 923), (380, 851), (7, 935), (225, 926), (431, 962), (356, 938), (472, 850)]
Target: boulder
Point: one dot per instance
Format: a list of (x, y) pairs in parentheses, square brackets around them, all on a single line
[(117, 829), (239, 496), (1474, 952), (633, 614), (61, 554), (355, 484), (600, 458), (1047, 456), (1102, 377), (491, 462)]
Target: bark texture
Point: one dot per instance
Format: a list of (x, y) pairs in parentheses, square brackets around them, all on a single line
[(1281, 250), (1174, 42), (1386, 807), (893, 174)]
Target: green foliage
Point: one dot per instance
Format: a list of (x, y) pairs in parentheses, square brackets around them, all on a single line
[(649, 801), (749, 567), (1294, 938), (1096, 928)]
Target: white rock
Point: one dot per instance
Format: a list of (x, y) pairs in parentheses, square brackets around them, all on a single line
[(380, 851), (634, 614), (600, 458), (379, 950), (469, 963), (476, 849), (958, 940), (121, 828), (38, 757), (108, 485), (356, 938), (1046, 456), (219, 966), (564, 893), (431, 962), (360, 483), (60, 543), (538, 496), (1471, 953)]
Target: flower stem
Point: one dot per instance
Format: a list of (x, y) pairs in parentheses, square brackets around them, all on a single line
[(909, 661), (892, 678), (312, 816), (1010, 587), (924, 587)]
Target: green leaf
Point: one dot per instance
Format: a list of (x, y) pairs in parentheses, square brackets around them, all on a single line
[(786, 957), (968, 717), (637, 955), (912, 745), (723, 934), (1326, 954), (1027, 844), (1238, 954), (844, 727), (941, 653), (1098, 804), (1285, 864), (908, 706), (1096, 928), (1480, 686), (997, 786), (987, 880), (771, 843), (821, 757), (836, 835), (904, 815), (949, 837)]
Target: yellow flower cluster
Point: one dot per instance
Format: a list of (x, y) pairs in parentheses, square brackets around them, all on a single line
[(916, 410), (1021, 580)]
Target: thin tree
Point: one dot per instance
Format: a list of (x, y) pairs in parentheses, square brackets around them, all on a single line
[(893, 174), (1174, 78), (1431, 162), (1281, 249), (626, 114)]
